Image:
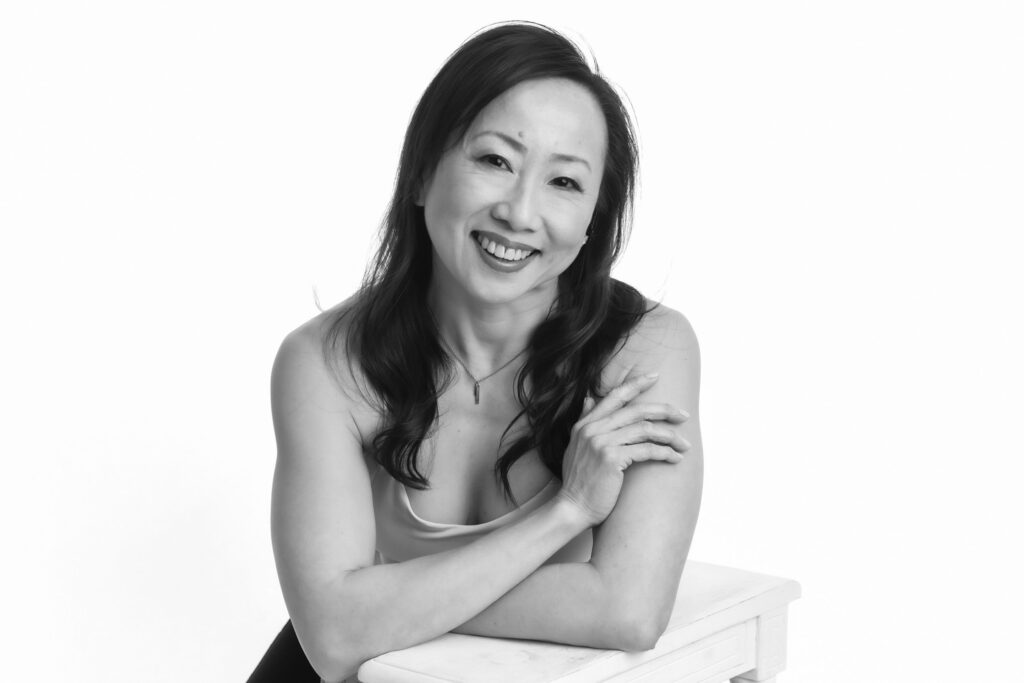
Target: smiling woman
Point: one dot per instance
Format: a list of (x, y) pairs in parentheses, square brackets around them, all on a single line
[(493, 436), (523, 164)]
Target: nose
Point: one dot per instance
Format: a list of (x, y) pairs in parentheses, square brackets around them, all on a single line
[(518, 209)]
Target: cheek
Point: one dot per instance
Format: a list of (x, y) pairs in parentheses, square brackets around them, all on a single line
[(574, 221), (438, 204), (453, 199)]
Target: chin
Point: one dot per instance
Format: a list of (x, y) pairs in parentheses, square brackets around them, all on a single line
[(489, 292)]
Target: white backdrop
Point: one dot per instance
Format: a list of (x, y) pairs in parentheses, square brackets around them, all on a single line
[(832, 193)]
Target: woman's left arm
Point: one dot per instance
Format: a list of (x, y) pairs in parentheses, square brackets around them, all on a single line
[(622, 598)]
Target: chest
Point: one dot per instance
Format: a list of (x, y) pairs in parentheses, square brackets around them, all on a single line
[(459, 458)]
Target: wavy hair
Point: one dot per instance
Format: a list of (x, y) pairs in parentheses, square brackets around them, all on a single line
[(391, 332)]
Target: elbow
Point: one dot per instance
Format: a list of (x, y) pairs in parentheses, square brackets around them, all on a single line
[(338, 641), (329, 656), (635, 629), (334, 667), (637, 635), (330, 666)]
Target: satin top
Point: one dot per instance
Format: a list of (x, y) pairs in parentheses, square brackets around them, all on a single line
[(403, 535)]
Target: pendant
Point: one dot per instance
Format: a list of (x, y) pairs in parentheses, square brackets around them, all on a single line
[(476, 393)]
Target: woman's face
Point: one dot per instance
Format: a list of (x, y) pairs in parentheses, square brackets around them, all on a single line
[(507, 207)]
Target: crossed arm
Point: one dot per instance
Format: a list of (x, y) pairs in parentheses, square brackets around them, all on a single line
[(346, 610), (622, 598)]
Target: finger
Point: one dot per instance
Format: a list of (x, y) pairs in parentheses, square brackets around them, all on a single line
[(649, 452), (635, 412), (588, 405), (621, 395), (641, 432)]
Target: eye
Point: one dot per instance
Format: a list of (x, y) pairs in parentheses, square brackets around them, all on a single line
[(567, 183), (496, 161)]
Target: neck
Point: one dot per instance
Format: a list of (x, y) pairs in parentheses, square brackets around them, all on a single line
[(485, 336)]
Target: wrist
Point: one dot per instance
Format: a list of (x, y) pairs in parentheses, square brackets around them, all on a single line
[(566, 508)]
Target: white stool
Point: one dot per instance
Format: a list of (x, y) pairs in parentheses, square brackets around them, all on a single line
[(726, 624)]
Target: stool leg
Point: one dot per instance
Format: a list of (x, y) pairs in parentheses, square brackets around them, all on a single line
[(771, 648)]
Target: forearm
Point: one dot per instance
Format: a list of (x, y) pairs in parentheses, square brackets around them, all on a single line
[(564, 603), (567, 603), (388, 607)]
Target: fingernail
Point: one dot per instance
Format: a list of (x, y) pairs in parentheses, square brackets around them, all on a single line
[(652, 375), (682, 412)]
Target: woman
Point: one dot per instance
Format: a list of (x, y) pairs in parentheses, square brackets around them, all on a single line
[(493, 436)]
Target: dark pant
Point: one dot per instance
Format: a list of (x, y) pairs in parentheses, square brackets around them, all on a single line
[(285, 662)]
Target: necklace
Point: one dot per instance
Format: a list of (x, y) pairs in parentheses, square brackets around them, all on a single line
[(476, 382)]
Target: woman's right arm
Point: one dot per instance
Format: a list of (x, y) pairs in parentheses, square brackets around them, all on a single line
[(344, 609)]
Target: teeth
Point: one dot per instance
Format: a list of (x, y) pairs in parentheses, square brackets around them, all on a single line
[(499, 251)]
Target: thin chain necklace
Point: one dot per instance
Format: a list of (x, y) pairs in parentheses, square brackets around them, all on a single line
[(476, 382)]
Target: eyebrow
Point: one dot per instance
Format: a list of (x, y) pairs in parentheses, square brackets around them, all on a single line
[(521, 148)]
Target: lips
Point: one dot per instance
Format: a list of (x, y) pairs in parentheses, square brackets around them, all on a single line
[(502, 249), (514, 257)]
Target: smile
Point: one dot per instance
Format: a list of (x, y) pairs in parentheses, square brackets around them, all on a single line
[(503, 252)]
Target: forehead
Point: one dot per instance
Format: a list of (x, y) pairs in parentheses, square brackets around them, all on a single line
[(553, 115)]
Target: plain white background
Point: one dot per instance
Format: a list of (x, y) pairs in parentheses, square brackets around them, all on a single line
[(832, 193)]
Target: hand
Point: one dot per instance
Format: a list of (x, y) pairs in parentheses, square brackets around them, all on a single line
[(612, 435)]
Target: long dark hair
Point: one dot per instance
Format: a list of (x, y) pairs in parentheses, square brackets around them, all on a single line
[(391, 333)]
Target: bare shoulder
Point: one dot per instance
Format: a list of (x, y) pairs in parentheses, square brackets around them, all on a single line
[(311, 374), (663, 341)]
